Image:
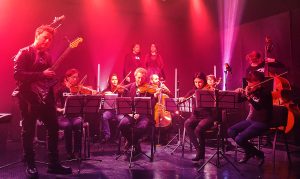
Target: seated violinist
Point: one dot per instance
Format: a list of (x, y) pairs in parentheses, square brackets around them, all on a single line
[(200, 120), (212, 82), (69, 124), (138, 121), (113, 87), (256, 123)]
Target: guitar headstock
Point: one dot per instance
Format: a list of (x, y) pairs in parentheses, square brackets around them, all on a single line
[(76, 42)]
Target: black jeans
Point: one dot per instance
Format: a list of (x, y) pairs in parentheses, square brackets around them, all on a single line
[(139, 127), (31, 110), (195, 128)]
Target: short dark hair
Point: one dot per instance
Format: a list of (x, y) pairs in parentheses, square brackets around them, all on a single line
[(43, 28), (71, 72)]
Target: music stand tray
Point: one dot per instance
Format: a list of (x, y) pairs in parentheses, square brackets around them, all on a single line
[(109, 102), (217, 99), (143, 105)]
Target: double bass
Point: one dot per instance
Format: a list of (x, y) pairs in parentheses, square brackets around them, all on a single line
[(280, 95)]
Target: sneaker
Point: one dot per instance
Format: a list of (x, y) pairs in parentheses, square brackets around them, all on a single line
[(59, 169)]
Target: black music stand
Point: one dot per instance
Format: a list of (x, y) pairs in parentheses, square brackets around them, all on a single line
[(80, 105), (109, 102), (136, 105), (176, 107), (218, 100)]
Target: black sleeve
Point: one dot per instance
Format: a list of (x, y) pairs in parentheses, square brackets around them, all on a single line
[(23, 63)]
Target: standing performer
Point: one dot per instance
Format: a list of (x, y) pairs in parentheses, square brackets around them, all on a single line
[(113, 87), (154, 63), (200, 120), (70, 124), (132, 62), (31, 67), (258, 118), (138, 121)]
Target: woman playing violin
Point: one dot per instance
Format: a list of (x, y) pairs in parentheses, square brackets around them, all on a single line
[(69, 124), (256, 123), (200, 120), (108, 116)]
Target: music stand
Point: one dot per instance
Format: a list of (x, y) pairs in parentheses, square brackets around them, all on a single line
[(176, 107), (136, 105), (109, 102), (217, 99), (80, 105)]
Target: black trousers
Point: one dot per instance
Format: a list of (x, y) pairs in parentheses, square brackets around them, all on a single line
[(195, 128), (31, 110)]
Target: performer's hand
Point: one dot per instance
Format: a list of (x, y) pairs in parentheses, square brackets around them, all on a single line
[(136, 116), (181, 99), (49, 73), (128, 79), (61, 110), (239, 90)]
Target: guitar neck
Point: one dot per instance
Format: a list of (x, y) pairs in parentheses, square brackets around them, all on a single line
[(60, 59)]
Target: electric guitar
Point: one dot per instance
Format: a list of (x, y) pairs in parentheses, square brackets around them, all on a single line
[(42, 87)]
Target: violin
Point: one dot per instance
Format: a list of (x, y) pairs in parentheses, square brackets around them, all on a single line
[(118, 89), (80, 89), (147, 88)]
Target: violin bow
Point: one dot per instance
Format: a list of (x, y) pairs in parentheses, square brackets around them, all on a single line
[(270, 79), (122, 81)]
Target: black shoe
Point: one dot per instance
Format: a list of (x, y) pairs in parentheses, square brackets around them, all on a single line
[(71, 156), (59, 169), (261, 158), (200, 155), (245, 158), (105, 139), (31, 172)]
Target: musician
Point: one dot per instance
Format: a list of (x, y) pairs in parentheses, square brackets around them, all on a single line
[(154, 62), (113, 87), (70, 124), (138, 121), (211, 82), (132, 62), (200, 120), (162, 117), (256, 63), (31, 65), (155, 81), (257, 121)]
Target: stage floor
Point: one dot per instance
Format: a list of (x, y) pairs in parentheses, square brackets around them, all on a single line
[(165, 165)]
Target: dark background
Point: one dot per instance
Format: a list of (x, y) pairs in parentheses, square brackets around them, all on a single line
[(188, 40)]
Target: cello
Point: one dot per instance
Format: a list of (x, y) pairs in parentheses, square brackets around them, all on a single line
[(161, 116)]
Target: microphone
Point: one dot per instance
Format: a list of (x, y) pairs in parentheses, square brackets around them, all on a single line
[(227, 68)]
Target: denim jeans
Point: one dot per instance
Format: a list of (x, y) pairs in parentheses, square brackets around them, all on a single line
[(246, 130), (70, 125)]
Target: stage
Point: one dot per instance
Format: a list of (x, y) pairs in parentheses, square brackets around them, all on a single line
[(164, 165)]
